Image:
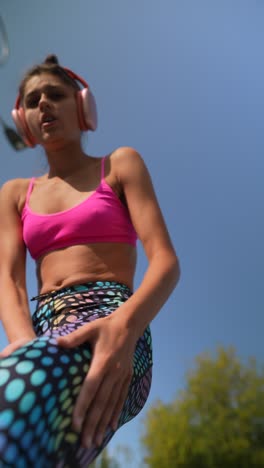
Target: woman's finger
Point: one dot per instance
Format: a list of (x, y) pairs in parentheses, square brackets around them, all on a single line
[(105, 419), (116, 411), (88, 390), (99, 414), (75, 338), (9, 349)]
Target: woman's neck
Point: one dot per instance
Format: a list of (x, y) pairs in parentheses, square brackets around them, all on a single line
[(64, 161)]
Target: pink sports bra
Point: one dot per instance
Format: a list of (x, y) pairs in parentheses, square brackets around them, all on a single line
[(101, 217)]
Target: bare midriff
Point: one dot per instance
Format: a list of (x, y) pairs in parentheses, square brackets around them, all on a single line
[(83, 263)]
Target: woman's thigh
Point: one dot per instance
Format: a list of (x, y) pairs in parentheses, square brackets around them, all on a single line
[(39, 383)]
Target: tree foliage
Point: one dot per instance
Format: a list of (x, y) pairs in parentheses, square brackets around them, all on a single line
[(216, 422), (104, 461)]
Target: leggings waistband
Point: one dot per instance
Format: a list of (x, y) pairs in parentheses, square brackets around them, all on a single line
[(75, 288)]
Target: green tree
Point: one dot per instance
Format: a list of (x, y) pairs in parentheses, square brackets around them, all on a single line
[(216, 422), (104, 461)]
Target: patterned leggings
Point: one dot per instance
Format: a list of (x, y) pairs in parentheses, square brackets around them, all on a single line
[(39, 382)]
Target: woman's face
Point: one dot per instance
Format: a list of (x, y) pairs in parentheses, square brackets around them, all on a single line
[(50, 110)]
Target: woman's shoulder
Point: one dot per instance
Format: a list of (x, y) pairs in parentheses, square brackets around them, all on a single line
[(126, 157), (14, 189), (125, 152), (18, 183), (127, 160)]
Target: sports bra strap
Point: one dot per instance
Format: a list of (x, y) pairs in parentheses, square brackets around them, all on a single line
[(102, 168), (30, 188)]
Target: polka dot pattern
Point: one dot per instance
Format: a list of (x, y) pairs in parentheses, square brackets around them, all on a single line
[(17, 428), (26, 402), (6, 418), (8, 362), (14, 389), (4, 376), (38, 377), (24, 367), (39, 383)]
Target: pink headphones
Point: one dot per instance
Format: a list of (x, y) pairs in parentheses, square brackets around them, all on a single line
[(86, 109)]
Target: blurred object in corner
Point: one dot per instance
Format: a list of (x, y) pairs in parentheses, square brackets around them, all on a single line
[(12, 136), (4, 46)]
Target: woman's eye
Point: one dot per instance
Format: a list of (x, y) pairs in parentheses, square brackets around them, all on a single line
[(32, 102), (56, 95)]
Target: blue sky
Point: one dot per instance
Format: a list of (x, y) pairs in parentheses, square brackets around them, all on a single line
[(182, 82)]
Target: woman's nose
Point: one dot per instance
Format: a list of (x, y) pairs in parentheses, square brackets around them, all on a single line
[(44, 102)]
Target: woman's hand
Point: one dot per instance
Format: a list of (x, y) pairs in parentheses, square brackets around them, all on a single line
[(9, 349), (105, 387)]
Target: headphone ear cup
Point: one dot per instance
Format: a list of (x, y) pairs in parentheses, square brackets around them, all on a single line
[(86, 108), (22, 127)]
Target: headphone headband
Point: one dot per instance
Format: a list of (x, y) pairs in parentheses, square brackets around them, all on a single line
[(76, 77), (68, 72)]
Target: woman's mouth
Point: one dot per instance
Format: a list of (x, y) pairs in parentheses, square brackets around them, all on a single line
[(48, 122)]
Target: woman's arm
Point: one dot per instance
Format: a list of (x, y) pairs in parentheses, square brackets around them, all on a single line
[(163, 270), (14, 308), (113, 338)]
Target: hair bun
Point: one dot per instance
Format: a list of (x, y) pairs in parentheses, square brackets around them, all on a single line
[(51, 59)]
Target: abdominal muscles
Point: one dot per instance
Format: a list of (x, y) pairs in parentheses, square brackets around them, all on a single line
[(82, 263)]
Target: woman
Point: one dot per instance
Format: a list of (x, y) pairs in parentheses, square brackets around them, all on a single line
[(81, 366)]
